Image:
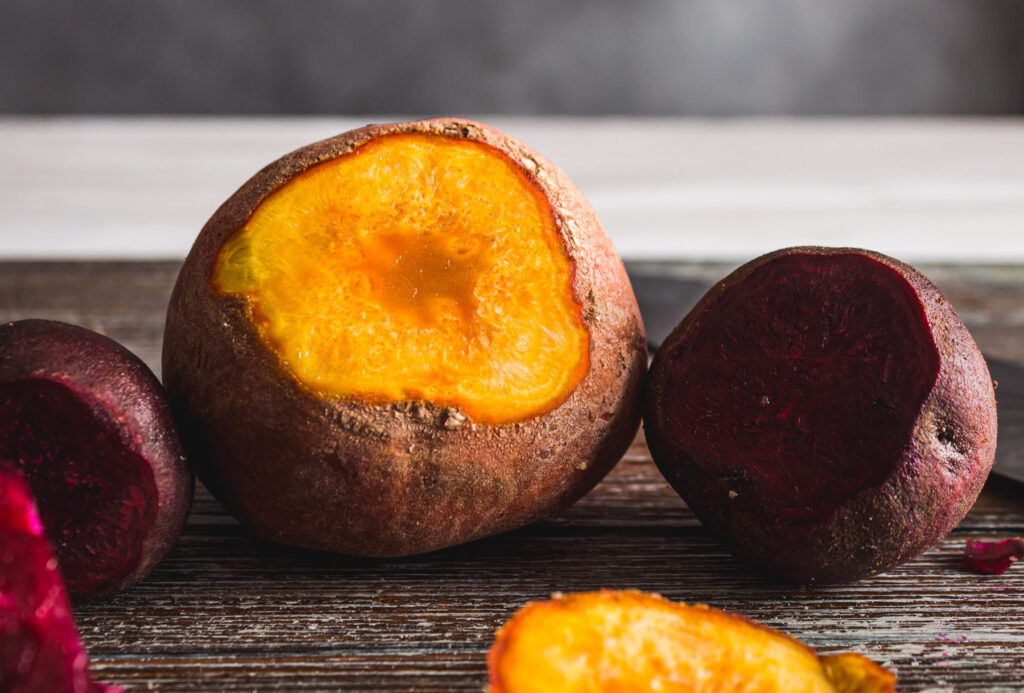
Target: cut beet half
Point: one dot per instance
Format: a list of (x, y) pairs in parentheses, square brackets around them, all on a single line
[(76, 461), (815, 386), (813, 376), (88, 426), (39, 647)]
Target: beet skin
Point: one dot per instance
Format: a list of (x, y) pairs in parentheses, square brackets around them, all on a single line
[(88, 424), (824, 412)]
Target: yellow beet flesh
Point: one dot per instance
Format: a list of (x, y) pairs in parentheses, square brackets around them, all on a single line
[(417, 267), (615, 642)]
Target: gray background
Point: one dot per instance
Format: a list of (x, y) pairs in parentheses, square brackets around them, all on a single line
[(690, 57)]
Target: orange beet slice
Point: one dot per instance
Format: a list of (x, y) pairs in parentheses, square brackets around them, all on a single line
[(613, 642)]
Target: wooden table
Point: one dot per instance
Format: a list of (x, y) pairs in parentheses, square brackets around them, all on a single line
[(227, 611), (922, 190)]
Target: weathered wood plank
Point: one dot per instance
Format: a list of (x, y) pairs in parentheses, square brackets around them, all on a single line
[(224, 598), (228, 611), (939, 189)]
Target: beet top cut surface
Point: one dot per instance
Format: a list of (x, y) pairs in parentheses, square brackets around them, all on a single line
[(417, 266), (821, 365), (824, 412), (88, 425), (76, 460)]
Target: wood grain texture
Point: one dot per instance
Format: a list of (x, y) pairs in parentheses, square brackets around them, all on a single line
[(228, 611)]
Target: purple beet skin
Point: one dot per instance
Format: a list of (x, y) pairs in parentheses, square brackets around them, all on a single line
[(88, 425), (39, 647), (824, 412)]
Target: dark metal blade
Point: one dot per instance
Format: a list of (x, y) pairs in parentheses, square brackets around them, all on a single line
[(1010, 408), (665, 300)]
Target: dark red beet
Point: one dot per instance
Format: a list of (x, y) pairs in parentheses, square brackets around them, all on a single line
[(39, 647), (824, 412), (993, 556), (88, 424)]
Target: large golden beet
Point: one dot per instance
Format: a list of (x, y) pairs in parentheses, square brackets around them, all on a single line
[(402, 338)]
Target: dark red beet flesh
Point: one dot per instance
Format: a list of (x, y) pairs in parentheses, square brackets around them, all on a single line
[(994, 557), (88, 425), (96, 495), (39, 647), (824, 412), (806, 382)]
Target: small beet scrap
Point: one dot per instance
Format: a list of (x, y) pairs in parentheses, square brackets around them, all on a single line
[(39, 647), (824, 412), (994, 557), (619, 641), (88, 425)]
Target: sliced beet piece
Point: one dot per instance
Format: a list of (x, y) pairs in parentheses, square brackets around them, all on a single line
[(994, 557), (39, 646), (89, 426), (824, 412)]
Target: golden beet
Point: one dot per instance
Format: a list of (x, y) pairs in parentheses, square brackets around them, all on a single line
[(631, 641), (402, 338)]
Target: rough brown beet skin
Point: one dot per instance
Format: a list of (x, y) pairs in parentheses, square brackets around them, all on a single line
[(824, 412), (39, 647), (88, 424), (402, 478)]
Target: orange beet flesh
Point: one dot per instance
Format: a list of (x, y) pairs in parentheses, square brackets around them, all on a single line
[(630, 641), (416, 267)]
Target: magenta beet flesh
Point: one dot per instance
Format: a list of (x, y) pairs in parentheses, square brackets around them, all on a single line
[(821, 365), (39, 647), (75, 459), (88, 425), (807, 410), (994, 557)]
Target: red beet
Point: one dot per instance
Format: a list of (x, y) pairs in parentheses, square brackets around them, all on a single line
[(88, 424), (824, 412), (39, 647), (994, 557)]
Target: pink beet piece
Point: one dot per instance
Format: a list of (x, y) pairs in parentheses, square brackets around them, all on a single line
[(993, 556), (88, 425), (39, 646)]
